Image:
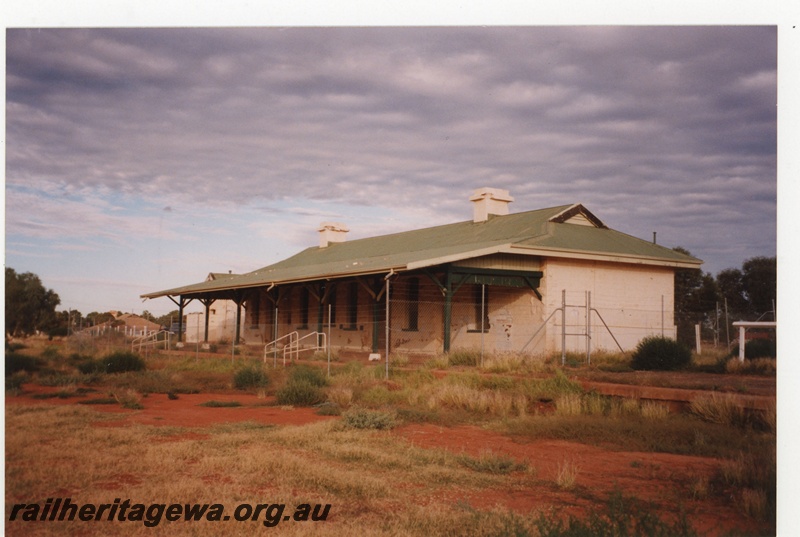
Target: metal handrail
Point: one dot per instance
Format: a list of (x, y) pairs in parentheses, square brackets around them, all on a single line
[(274, 344), (292, 347), (150, 339), (316, 347)]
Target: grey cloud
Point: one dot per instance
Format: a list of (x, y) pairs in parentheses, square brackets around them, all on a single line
[(381, 116)]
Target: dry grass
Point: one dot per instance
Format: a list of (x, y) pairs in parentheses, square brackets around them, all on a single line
[(719, 408), (358, 472), (130, 399), (569, 404), (625, 408), (652, 410), (340, 396), (610, 361), (759, 366), (375, 480), (753, 476), (459, 396), (567, 475), (438, 362)]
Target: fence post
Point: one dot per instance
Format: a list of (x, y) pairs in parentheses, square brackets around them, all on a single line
[(588, 327), (742, 343), (697, 337), (329, 339), (563, 327), (483, 316), (727, 325), (388, 285)]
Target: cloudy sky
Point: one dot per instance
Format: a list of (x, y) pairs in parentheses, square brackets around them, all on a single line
[(139, 159)]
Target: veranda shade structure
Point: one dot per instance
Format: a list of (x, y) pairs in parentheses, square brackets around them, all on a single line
[(568, 232)]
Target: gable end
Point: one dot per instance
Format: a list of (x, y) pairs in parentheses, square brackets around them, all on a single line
[(579, 215)]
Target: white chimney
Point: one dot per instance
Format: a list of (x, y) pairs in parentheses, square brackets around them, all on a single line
[(331, 232), (489, 201)]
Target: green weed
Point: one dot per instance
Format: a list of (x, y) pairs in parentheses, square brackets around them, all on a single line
[(221, 404), (364, 418), (250, 377), (490, 463)]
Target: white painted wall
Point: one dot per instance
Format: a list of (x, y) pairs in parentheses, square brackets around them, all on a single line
[(628, 297), (221, 323)]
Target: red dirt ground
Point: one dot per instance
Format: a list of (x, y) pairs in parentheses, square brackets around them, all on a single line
[(655, 478), (184, 411), (663, 479)]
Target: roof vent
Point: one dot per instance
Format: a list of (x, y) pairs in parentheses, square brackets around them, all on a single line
[(330, 232), (489, 201)]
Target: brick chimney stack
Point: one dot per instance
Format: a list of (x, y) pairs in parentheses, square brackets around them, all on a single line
[(489, 201), (330, 232)]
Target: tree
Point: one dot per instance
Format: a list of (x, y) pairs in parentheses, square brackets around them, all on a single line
[(96, 318), (166, 320), (759, 276), (696, 295), (66, 322), (29, 306), (729, 283)]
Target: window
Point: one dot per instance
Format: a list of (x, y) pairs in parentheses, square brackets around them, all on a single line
[(304, 298), (255, 305), (332, 302), (352, 306), (412, 305), (481, 301)]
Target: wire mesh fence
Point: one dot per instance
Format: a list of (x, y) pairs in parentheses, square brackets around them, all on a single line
[(416, 316)]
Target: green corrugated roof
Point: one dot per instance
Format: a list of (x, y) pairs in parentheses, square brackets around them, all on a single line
[(531, 232)]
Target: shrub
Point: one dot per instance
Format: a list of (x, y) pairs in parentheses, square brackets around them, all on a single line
[(12, 346), (90, 366), (221, 404), (309, 375), (122, 361), (99, 401), (622, 516), (77, 358), (50, 353), (364, 418), (130, 399), (19, 362), (329, 409), (14, 382), (757, 348), (299, 393), (661, 354), (250, 377)]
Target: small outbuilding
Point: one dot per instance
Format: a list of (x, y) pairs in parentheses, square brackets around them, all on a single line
[(533, 282)]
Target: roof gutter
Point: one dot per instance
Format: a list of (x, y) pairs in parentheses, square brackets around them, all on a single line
[(270, 285), (588, 256)]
